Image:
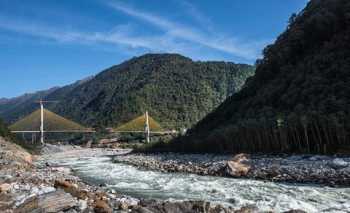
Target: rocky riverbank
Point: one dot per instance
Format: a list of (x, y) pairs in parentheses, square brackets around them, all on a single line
[(30, 184), (325, 170)]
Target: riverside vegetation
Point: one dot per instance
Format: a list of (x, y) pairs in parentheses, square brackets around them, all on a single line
[(299, 99)]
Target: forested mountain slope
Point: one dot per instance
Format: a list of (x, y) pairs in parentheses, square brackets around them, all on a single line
[(175, 90), (4, 132), (299, 99), (16, 108), (10, 108)]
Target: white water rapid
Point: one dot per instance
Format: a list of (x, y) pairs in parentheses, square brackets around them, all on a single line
[(266, 196)]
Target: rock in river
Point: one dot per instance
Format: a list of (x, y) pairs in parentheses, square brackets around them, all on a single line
[(239, 166)]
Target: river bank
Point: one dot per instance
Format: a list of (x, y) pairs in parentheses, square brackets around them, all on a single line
[(74, 179), (315, 169), (258, 196), (35, 184)]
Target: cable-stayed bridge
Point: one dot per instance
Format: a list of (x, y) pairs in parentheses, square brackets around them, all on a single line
[(44, 121)]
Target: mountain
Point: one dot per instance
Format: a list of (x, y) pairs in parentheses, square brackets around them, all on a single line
[(299, 98), (9, 107), (14, 109), (176, 91)]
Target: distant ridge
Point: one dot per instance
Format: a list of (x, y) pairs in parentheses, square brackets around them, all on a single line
[(177, 91), (13, 109)]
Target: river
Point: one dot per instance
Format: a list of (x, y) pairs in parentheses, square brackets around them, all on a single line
[(266, 196)]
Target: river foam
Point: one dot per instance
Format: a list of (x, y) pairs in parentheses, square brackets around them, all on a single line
[(267, 196)]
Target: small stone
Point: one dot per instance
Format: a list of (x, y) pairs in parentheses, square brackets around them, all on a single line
[(141, 210), (5, 187), (123, 206), (248, 209), (62, 170), (82, 205)]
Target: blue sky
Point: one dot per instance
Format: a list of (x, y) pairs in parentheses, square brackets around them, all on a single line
[(46, 43)]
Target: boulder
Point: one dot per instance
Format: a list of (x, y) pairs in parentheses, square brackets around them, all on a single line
[(101, 206), (104, 141), (72, 189), (82, 205), (61, 170), (141, 210), (29, 205), (5, 178), (50, 202), (338, 163), (6, 202), (128, 201), (56, 201), (239, 166), (242, 158), (247, 209), (216, 168)]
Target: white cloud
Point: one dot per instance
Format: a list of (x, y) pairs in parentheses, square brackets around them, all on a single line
[(247, 50), (196, 14), (175, 37), (121, 36), (117, 36)]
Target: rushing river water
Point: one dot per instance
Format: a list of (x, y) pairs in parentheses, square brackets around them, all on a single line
[(227, 191)]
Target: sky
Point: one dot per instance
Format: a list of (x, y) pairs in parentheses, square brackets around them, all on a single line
[(47, 43)]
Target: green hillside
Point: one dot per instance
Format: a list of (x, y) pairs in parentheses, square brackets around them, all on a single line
[(138, 124), (176, 91), (299, 99), (52, 122), (15, 109), (4, 131)]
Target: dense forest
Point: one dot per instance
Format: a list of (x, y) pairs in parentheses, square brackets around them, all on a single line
[(13, 109), (299, 99), (176, 91), (4, 131)]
